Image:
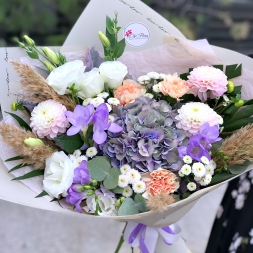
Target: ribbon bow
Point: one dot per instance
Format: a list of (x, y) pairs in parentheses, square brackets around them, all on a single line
[(145, 237)]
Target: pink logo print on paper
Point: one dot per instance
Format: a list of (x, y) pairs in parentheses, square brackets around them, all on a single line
[(128, 33)]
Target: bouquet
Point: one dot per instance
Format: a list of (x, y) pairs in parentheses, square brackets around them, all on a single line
[(101, 141)]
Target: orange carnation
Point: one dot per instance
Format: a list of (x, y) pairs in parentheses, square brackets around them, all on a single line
[(174, 86), (162, 180), (129, 91)]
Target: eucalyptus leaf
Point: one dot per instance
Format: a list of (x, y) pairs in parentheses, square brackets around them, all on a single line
[(118, 190), (14, 158), (69, 143), (18, 167), (239, 168), (42, 194), (33, 173), (221, 177), (99, 168), (233, 71), (20, 121), (140, 203), (128, 207), (112, 178)]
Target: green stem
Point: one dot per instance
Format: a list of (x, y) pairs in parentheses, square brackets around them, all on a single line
[(121, 240)]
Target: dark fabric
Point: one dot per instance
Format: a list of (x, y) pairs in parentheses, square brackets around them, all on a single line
[(232, 230)]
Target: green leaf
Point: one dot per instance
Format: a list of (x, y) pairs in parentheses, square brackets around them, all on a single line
[(188, 97), (69, 143), (237, 125), (128, 207), (184, 76), (118, 28), (221, 177), (140, 203), (99, 168), (237, 90), (119, 48), (18, 167), (245, 112), (20, 121), (249, 102), (239, 168), (33, 173), (186, 195), (118, 190), (14, 158), (219, 67), (230, 110), (108, 58), (112, 178), (42, 194), (233, 71), (109, 25)]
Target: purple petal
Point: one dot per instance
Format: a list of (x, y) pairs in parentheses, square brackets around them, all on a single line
[(79, 111), (73, 130), (99, 136), (182, 151), (115, 128)]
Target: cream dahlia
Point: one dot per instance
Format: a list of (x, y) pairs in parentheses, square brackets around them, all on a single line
[(48, 119), (194, 114), (207, 82)]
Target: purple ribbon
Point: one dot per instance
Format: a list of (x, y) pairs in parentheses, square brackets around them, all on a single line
[(145, 237)]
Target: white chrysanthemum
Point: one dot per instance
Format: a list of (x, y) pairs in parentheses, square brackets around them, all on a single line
[(123, 181), (77, 153), (191, 186), (78, 157), (127, 192), (149, 95), (111, 118), (194, 114), (197, 179), (125, 168), (139, 187), (97, 101), (187, 159), (109, 107), (153, 75), (134, 176), (103, 95), (220, 120), (156, 88), (162, 76), (213, 164), (209, 169), (204, 160), (48, 119), (180, 173), (113, 101), (86, 101), (144, 79), (91, 152), (206, 180), (186, 169), (198, 169)]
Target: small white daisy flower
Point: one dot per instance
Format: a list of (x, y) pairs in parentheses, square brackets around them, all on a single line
[(111, 118), (153, 75), (191, 186), (204, 160), (77, 153), (125, 168), (220, 120), (97, 101), (139, 187), (206, 180), (144, 79), (81, 158), (123, 181), (209, 169), (213, 164), (113, 101), (109, 107), (187, 159), (162, 76), (180, 173), (127, 192), (90, 152), (186, 169), (198, 169), (197, 179), (149, 95), (234, 194), (103, 95), (156, 88), (134, 176), (86, 101)]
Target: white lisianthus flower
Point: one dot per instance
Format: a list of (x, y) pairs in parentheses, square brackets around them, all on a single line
[(97, 101), (91, 84), (134, 176), (191, 186), (187, 159), (144, 79), (156, 88), (149, 95), (153, 75), (113, 101), (113, 73), (123, 181), (106, 204), (198, 169), (127, 192), (139, 187), (204, 160), (66, 75), (125, 168), (59, 173), (92, 151), (86, 101), (186, 169), (103, 95)]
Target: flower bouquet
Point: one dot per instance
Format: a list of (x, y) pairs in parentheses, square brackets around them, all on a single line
[(113, 134)]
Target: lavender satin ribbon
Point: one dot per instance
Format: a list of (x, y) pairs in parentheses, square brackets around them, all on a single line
[(145, 237)]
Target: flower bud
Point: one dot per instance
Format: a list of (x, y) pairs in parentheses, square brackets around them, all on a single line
[(49, 65), (230, 87), (33, 142), (239, 103), (94, 182), (118, 203), (14, 106), (90, 193), (51, 55), (105, 41), (122, 199), (29, 41), (87, 187), (32, 54), (22, 45), (78, 188)]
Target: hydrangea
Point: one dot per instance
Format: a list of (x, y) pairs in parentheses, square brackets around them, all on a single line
[(149, 139)]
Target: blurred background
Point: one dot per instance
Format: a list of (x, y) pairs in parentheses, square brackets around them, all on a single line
[(225, 23)]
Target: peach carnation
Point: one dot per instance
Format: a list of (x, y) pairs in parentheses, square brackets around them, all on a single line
[(129, 91), (162, 180), (173, 86)]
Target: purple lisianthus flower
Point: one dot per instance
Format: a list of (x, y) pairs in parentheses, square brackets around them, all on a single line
[(211, 133), (101, 123), (81, 174), (80, 119)]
